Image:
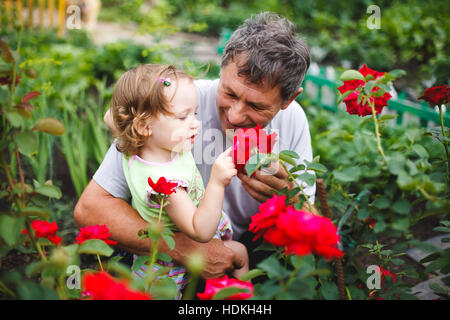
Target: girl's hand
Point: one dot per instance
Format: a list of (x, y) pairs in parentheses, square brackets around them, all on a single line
[(223, 169)]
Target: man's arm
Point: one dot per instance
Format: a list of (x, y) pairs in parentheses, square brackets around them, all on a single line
[(97, 206)]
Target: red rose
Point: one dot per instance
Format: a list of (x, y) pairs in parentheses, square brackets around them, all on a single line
[(371, 222), (436, 95), (214, 285), (8, 80), (99, 232), (302, 233), (45, 229), (247, 141), (267, 216), (385, 273), (102, 286), (357, 86), (163, 186)]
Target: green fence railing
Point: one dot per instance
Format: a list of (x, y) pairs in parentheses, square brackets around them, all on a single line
[(403, 107)]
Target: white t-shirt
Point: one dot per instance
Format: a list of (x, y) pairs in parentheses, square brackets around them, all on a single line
[(292, 131)]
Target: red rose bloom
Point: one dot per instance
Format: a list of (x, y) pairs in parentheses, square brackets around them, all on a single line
[(214, 285), (102, 286), (99, 232), (356, 85), (163, 186), (267, 216), (385, 273), (247, 141), (302, 233), (436, 95), (45, 229)]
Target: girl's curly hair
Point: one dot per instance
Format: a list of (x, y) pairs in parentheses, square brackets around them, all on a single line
[(138, 96)]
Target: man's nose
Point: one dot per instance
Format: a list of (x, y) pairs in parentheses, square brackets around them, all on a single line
[(236, 115)]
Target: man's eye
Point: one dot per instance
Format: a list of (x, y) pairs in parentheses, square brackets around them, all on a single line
[(231, 95)]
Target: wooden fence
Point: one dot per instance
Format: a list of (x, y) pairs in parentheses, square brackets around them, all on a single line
[(35, 13)]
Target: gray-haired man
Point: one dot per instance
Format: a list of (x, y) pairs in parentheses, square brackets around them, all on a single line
[(263, 67)]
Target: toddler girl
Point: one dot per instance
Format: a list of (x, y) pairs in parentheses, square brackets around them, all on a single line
[(154, 108)]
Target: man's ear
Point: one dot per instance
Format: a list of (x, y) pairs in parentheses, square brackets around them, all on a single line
[(300, 90), (142, 127)]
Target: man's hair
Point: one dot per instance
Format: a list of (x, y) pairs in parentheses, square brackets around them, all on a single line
[(138, 96), (269, 53)]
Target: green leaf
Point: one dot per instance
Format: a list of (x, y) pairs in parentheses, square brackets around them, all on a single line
[(430, 257), (7, 53), (402, 206), (49, 191), (329, 291), (308, 178), (297, 168), (287, 158), (405, 182), (164, 289), (400, 224), (438, 289), (139, 262), (350, 174), (381, 203), (252, 274), (15, 118), (272, 267), (420, 150), (35, 212), (169, 240), (95, 246), (228, 292), (441, 229), (316, 167), (27, 142), (290, 153), (351, 75), (396, 73), (388, 117), (10, 228), (255, 162), (344, 95)]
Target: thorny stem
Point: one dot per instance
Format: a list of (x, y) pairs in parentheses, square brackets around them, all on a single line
[(100, 262), (377, 133), (5, 289), (445, 141), (33, 240), (293, 275), (298, 185), (160, 209)]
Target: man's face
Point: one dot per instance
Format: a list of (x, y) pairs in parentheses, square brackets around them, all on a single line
[(242, 104)]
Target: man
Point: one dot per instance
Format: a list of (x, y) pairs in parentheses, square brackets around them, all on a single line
[(263, 67)]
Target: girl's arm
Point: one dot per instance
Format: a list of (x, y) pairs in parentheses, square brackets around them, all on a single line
[(198, 223), (201, 223)]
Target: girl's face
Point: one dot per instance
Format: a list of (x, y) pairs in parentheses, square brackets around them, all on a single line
[(177, 132)]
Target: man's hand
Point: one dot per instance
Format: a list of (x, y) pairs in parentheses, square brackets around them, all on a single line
[(261, 185), (219, 259)]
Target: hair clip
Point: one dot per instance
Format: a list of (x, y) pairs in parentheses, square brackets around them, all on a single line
[(165, 81)]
